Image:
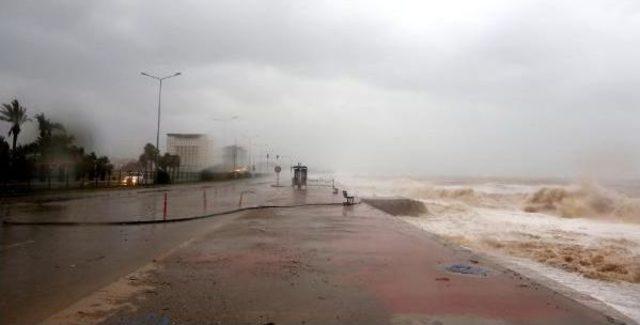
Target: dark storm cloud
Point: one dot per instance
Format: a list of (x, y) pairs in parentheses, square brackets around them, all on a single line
[(500, 87)]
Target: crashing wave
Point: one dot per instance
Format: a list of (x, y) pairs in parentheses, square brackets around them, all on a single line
[(587, 200)]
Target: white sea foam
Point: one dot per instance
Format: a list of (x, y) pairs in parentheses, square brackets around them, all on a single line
[(581, 236)]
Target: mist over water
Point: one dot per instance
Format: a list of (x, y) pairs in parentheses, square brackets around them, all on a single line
[(583, 235)]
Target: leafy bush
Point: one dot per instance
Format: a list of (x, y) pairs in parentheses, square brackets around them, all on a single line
[(162, 177)]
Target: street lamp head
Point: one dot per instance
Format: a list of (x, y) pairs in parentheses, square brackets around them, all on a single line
[(144, 74), (177, 73)]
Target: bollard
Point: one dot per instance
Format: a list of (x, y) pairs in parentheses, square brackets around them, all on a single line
[(204, 200), (242, 195), (164, 209)]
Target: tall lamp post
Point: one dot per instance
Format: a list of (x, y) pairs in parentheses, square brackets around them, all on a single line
[(160, 79)]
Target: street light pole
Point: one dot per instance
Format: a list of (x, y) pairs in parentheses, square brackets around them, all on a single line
[(160, 79), (159, 102)]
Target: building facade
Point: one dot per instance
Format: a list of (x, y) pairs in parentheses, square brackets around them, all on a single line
[(195, 150)]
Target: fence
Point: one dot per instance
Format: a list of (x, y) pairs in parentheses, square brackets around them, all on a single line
[(61, 181)]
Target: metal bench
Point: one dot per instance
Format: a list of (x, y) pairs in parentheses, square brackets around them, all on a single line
[(350, 199)]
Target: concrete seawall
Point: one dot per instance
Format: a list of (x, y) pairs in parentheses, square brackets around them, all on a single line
[(398, 206)]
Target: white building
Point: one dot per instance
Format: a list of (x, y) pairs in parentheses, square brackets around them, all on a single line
[(195, 150)]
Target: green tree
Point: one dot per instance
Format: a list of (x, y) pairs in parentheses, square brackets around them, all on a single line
[(23, 163), (4, 159), (53, 148), (15, 114), (46, 126), (103, 167), (149, 156), (163, 161), (80, 169), (89, 165), (169, 163)]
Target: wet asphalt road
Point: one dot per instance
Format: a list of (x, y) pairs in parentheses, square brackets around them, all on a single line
[(45, 268), (322, 265)]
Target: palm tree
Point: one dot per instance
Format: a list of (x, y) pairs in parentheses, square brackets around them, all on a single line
[(169, 163), (46, 127), (103, 168), (144, 161), (149, 157), (152, 153), (4, 160), (15, 114)]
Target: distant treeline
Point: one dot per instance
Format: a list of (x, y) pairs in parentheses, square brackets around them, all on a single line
[(53, 154), (55, 160)]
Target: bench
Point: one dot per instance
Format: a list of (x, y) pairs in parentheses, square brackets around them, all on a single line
[(348, 198)]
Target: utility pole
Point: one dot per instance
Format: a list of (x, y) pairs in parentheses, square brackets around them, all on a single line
[(235, 156)]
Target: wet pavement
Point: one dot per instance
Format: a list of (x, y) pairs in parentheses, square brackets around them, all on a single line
[(320, 265), (44, 269), (182, 201)]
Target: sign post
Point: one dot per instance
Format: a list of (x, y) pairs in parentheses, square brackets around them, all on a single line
[(277, 169)]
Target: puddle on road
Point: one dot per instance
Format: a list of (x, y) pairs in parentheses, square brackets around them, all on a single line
[(466, 269)]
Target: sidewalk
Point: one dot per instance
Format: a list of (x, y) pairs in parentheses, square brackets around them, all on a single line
[(323, 265)]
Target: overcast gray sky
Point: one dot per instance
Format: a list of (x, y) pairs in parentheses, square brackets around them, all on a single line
[(499, 87)]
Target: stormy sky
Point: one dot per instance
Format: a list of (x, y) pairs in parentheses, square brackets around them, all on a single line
[(497, 87)]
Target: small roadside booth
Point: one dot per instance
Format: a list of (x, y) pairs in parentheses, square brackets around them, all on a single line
[(299, 176)]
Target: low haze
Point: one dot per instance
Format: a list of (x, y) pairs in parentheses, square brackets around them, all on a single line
[(495, 88), (320, 162)]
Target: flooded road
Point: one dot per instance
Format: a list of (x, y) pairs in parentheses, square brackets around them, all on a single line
[(45, 268), (145, 204)]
